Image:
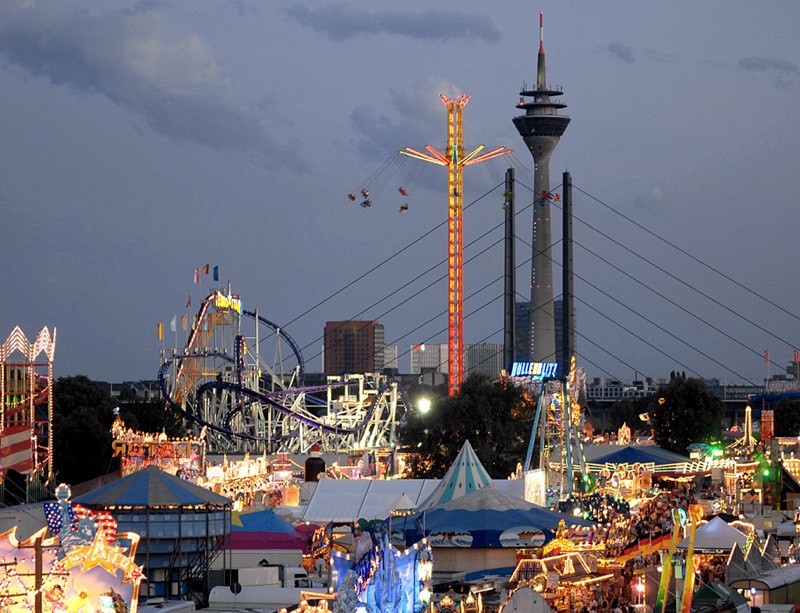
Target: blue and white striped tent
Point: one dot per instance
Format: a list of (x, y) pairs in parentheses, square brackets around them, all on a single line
[(465, 475), (152, 487)]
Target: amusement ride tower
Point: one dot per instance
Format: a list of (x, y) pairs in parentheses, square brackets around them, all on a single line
[(455, 160), (541, 128)]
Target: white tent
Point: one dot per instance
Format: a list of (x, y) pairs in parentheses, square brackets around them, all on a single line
[(465, 475), (715, 537)]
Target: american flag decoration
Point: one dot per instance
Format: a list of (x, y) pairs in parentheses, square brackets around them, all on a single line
[(106, 522), (54, 516), (103, 520)]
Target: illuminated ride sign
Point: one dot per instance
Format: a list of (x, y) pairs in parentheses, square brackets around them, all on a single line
[(537, 371), (228, 303), (138, 450)]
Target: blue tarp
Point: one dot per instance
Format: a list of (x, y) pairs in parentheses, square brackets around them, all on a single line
[(264, 520), (152, 487)]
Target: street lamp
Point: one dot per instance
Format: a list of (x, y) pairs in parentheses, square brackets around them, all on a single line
[(424, 405)]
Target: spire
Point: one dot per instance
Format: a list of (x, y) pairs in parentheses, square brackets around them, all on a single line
[(541, 33), (541, 79)]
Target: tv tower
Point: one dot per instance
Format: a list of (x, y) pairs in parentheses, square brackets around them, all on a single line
[(541, 128)]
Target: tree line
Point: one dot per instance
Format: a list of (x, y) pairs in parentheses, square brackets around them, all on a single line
[(495, 416)]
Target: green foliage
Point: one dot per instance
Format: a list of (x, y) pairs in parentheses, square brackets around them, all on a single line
[(153, 416), (496, 418), (82, 416), (627, 411), (685, 411), (787, 417)]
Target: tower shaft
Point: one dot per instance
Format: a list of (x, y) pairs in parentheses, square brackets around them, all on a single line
[(541, 128)]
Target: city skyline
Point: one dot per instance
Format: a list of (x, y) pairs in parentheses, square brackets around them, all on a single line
[(145, 140)]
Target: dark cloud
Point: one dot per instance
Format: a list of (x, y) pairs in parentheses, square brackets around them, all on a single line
[(623, 52), (785, 72), (132, 59), (413, 119), (341, 22)]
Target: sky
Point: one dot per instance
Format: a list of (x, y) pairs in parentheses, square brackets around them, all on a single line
[(144, 139)]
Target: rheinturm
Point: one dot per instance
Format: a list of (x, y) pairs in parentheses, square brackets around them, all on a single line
[(541, 128)]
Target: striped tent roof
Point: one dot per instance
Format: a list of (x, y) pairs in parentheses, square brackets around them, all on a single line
[(464, 476), (151, 487)]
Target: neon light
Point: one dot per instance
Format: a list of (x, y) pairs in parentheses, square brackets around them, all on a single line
[(454, 159), (536, 370)]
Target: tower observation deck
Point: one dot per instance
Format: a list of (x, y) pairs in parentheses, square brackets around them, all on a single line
[(541, 128)]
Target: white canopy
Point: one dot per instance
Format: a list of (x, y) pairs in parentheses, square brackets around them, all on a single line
[(715, 537)]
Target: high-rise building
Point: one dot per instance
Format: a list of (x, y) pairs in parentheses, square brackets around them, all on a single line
[(522, 344), (353, 347), (522, 331), (428, 357), (541, 128), (484, 358), (390, 357)]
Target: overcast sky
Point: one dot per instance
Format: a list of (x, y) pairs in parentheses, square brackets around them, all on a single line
[(141, 140)]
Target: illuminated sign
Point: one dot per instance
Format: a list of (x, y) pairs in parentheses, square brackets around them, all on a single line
[(536, 370), (228, 303)]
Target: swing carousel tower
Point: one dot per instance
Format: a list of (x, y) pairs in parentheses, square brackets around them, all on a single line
[(455, 160), (541, 128)]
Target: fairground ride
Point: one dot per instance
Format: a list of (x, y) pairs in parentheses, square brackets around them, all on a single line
[(557, 427), (240, 376), (454, 159), (26, 410)]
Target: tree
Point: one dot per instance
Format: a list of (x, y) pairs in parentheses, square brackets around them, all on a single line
[(683, 412), (82, 417), (496, 418), (153, 416), (787, 417), (627, 411)]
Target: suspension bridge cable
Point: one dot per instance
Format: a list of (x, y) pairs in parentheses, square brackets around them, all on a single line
[(692, 257), (664, 297), (385, 261), (672, 302), (648, 320)]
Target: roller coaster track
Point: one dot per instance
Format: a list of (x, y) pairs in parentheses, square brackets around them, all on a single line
[(220, 382)]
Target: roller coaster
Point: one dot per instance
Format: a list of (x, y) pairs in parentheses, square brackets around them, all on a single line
[(241, 378)]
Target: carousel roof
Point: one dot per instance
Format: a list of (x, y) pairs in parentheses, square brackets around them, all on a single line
[(344, 500), (264, 529), (643, 454), (465, 475), (487, 517), (151, 487)]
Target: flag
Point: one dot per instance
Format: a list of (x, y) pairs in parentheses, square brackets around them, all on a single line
[(189, 302), (197, 275), (16, 449), (173, 324), (766, 356), (205, 269), (194, 322), (161, 330), (107, 524), (55, 519), (796, 356), (216, 273), (184, 322)]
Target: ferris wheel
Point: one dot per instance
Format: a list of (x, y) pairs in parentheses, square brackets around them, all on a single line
[(241, 377)]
